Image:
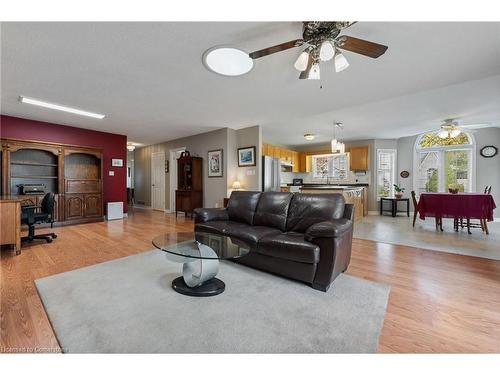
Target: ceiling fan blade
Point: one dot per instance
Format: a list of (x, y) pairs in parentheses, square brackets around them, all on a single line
[(276, 48), (361, 46), (478, 126)]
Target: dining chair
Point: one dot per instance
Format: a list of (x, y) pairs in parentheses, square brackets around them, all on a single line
[(415, 204), (483, 223)]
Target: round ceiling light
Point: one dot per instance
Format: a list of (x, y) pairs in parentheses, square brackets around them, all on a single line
[(227, 61)]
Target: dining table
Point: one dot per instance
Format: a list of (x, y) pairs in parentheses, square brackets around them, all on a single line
[(458, 206)]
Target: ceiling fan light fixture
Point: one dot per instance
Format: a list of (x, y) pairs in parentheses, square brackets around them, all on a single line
[(455, 132), (314, 72), (326, 51), (443, 133), (341, 62), (302, 61)]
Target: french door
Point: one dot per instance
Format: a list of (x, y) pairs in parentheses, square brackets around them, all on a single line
[(437, 170)]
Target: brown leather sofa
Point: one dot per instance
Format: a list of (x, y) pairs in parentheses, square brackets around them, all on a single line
[(305, 237)]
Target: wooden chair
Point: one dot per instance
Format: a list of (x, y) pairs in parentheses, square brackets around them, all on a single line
[(439, 221), (415, 204), (483, 223)]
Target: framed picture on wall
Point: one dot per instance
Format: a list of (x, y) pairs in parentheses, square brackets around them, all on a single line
[(215, 163), (117, 162), (246, 156)]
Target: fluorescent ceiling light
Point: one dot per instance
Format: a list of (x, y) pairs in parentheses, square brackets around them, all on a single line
[(59, 107), (227, 61)]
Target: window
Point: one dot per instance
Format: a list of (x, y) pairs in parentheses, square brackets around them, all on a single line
[(386, 172), (443, 163), (334, 166)]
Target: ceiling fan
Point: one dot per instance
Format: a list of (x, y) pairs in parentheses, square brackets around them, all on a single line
[(451, 129), (324, 42)]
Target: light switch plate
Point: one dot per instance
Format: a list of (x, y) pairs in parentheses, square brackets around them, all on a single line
[(111, 173), (251, 172)]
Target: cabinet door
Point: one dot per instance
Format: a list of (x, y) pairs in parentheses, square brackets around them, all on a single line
[(265, 149), (93, 205), (359, 158), (296, 162), (74, 206)]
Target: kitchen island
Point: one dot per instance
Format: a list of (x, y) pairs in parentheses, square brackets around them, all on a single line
[(355, 195)]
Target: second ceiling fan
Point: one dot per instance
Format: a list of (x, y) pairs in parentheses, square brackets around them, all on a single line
[(323, 43)]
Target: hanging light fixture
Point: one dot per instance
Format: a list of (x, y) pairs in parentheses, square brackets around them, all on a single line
[(341, 62), (336, 145), (130, 146), (326, 50)]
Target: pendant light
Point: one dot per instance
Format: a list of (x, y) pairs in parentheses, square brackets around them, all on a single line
[(336, 145)]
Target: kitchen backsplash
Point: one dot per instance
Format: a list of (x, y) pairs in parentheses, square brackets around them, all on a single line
[(287, 178)]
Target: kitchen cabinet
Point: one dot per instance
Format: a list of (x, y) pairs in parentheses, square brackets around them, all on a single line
[(359, 158), (284, 154)]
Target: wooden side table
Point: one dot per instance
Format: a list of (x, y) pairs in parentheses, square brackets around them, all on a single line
[(394, 205)]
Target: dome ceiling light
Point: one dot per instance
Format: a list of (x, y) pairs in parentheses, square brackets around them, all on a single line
[(227, 61)]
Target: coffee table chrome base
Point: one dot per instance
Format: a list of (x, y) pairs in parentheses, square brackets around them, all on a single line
[(209, 288)]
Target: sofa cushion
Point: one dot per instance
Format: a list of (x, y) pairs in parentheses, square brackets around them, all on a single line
[(308, 209), (290, 246), (272, 210), (249, 234), (242, 205), (217, 227)]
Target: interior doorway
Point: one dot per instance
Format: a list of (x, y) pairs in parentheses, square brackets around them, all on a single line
[(158, 181), (174, 155)]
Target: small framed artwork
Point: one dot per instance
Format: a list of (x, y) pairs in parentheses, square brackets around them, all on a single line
[(117, 162), (215, 163), (246, 156)]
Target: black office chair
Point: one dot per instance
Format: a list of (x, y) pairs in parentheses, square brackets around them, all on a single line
[(44, 213)]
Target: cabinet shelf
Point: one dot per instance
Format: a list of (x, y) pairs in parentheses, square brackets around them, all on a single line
[(34, 164), (35, 177)]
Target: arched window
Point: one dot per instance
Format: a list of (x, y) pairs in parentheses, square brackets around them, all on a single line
[(444, 163)]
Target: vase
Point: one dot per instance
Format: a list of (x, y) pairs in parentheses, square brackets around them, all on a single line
[(398, 195)]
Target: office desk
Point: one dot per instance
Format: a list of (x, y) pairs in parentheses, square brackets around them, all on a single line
[(10, 222)]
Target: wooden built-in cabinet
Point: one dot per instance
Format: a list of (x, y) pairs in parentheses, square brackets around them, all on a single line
[(359, 158), (283, 154), (72, 173), (189, 193)]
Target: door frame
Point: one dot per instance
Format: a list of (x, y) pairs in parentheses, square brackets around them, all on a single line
[(173, 176), (163, 184)]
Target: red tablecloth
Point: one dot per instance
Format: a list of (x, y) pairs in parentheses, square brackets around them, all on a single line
[(461, 205)]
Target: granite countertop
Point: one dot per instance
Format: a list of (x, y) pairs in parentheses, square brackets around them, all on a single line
[(330, 187)]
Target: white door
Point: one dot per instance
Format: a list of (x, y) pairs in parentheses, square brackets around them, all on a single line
[(158, 181)]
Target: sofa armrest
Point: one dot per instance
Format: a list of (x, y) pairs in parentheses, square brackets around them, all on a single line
[(203, 215), (328, 229), (349, 211)]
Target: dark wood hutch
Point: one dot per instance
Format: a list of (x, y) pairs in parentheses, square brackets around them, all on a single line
[(73, 173), (189, 193)]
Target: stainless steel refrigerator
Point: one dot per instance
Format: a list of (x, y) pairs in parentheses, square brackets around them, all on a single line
[(271, 178)]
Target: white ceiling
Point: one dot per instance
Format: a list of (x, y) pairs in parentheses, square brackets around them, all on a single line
[(149, 80)]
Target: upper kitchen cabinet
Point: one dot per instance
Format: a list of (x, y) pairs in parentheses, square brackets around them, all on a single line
[(359, 158)]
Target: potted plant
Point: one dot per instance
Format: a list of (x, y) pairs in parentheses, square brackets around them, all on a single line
[(453, 188), (398, 191)]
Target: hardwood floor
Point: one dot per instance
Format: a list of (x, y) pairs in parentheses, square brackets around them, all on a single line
[(438, 303)]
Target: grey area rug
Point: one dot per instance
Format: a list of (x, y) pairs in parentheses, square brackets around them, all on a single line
[(128, 306)]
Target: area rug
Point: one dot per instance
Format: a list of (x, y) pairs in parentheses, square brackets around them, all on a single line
[(128, 306)]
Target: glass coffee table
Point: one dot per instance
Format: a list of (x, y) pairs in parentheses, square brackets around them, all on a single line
[(200, 254)]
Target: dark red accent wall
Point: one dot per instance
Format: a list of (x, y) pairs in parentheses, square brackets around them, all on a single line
[(114, 147)]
